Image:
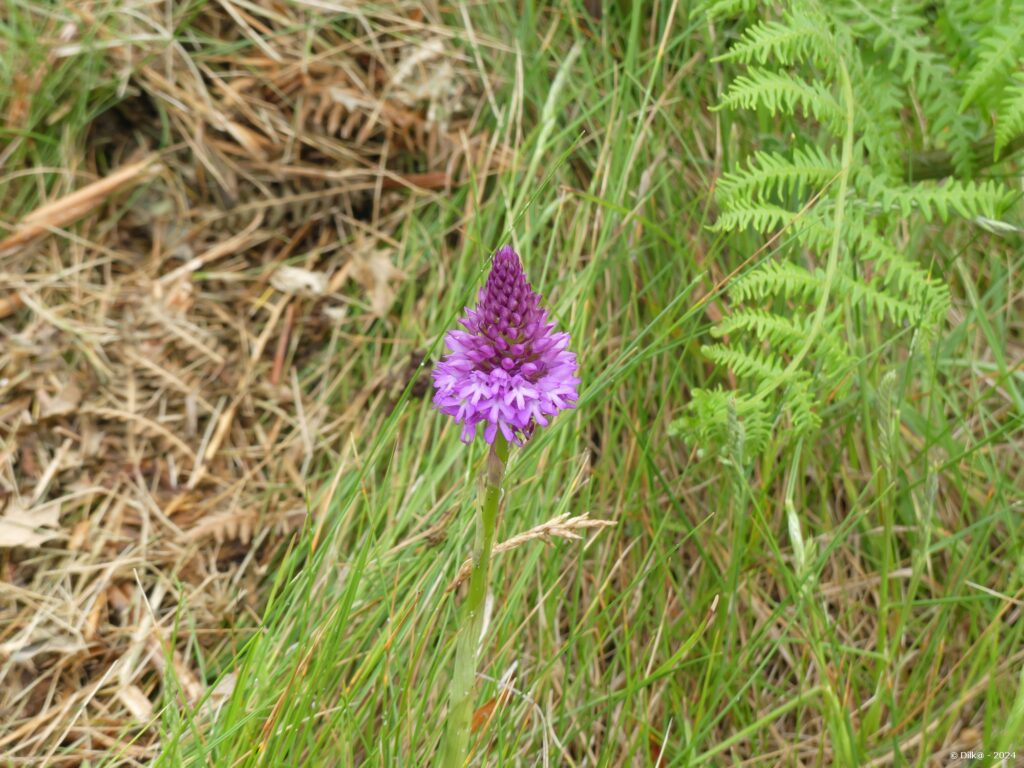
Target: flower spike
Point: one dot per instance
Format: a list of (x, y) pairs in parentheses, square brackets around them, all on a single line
[(509, 369)]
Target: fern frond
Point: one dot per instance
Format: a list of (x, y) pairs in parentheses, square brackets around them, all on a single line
[(798, 400), (901, 291), (763, 217), (796, 38), (745, 362), (781, 331), (708, 416), (775, 278), (946, 125), (786, 333), (878, 300), (715, 416), (1010, 116), (967, 198), (968, 19), (907, 95), (782, 93), (878, 123), (1000, 56), (771, 173), (900, 274), (898, 32), (959, 133), (787, 280), (931, 297)]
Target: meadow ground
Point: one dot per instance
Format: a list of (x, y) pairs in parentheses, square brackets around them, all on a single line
[(235, 233)]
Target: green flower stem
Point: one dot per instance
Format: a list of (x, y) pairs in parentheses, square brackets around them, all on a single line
[(471, 614)]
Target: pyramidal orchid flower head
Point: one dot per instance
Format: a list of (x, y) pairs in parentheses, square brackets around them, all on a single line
[(509, 370)]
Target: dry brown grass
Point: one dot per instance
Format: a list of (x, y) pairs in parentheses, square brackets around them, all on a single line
[(156, 443)]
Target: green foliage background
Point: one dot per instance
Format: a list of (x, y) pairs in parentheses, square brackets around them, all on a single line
[(786, 239), (786, 243)]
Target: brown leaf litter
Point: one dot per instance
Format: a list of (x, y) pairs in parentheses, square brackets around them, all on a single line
[(156, 310)]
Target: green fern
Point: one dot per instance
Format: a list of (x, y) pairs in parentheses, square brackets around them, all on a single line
[(714, 413), (1010, 117), (784, 333), (879, 123), (849, 75), (770, 174), (795, 38), (746, 362), (880, 302), (797, 284), (800, 400), (775, 278), (898, 289), (965, 198), (761, 216), (899, 33), (899, 275), (946, 125), (781, 93), (1000, 57), (897, 38)]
